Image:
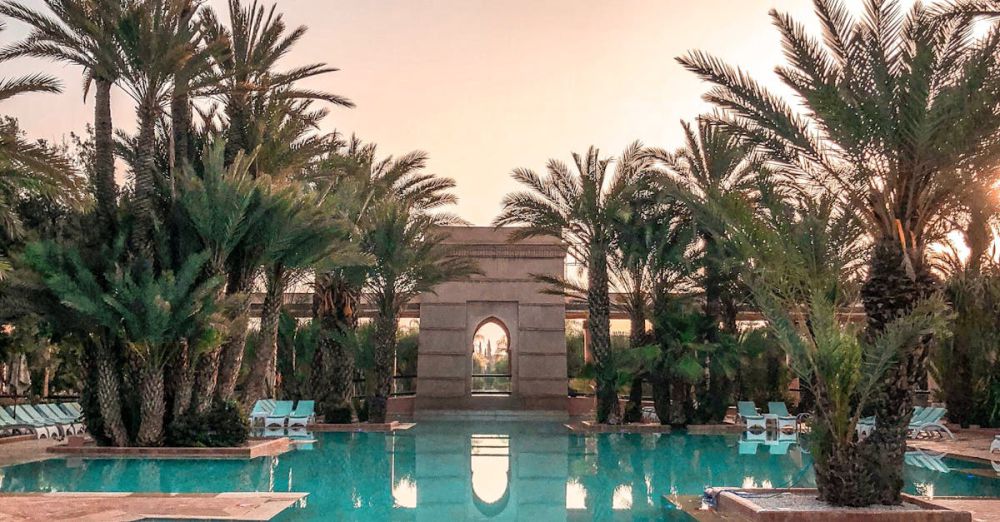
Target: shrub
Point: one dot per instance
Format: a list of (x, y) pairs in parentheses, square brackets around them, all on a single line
[(338, 414), (223, 425)]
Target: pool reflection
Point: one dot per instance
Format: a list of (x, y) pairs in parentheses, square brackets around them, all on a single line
[(478, 471)]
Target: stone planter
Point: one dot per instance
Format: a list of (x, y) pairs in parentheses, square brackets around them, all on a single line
[(800, 505)]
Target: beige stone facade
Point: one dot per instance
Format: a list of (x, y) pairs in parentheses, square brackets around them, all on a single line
[(505, 293)]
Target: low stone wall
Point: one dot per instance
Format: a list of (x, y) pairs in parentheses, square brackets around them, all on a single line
[(728, 502), (363, 427)]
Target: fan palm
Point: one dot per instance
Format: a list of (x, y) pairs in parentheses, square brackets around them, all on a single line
[(581, 208), (899, 119), (82, 33)]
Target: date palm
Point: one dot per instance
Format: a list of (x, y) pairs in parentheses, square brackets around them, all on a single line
[(898, 116), (409, 257), (258, 39), (81, 33), (581, 207), (159, 42), (715, 162), (358, 171)]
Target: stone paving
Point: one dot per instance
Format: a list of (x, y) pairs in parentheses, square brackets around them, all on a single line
[(25, 451), (970, 443), (127, 507)]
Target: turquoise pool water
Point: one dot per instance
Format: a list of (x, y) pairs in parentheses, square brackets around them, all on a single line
[(452, 471)]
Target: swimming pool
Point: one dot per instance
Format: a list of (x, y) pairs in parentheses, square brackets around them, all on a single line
[(450, 471)]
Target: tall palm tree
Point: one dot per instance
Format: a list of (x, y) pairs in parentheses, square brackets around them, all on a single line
[(409, 257), (255, 96), (898, 117), (356, 170), (258, 39), (581, 208), (302, 235), (82, 33), (159, 42), (714, 162)]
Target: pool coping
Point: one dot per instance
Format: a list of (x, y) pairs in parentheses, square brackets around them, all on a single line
[(253, 449), (363, 427), (587, 427), (728, 501), (234, 506)]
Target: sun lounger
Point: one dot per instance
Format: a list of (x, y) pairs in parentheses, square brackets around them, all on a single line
[(278, 415), (64, 426), (748, 447), (57, 415), (747, 411), (42, 429), (779, 412), (261, 409), (929, 423), (303, 415), (9, 424)]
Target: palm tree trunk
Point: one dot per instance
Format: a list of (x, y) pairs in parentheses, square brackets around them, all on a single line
[(890, 291), (183, 381), (261, 382), (334, 307), (152, 406), (386, 325), (109, 395), (637, 338), (105, 187), (842, 477), (145, 180), (231, 354), (180, 122), (599, 329)]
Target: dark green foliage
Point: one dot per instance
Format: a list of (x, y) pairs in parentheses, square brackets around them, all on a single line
[(763, 374), (224, 424), (296, 344)]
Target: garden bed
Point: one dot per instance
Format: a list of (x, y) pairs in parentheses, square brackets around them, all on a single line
[(794, 505), (363, 427), (252, 449)]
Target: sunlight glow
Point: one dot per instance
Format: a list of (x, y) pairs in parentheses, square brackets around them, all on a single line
[(576, 495), (404, 493), (622, 498)]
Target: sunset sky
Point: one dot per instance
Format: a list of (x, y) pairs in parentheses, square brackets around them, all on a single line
[(486, 86)]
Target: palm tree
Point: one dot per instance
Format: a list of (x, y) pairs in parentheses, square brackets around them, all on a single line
[(255, 97), (357, 171), (301, 235), (409, 254), (581, 208), (220, 207), (159, 42), (257, 42), (82, 33), (898, 117)]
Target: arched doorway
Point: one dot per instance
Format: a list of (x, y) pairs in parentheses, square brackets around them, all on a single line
[(491, 368)]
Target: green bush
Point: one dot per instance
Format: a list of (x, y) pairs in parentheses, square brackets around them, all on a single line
[(223, 425), (338, 414)]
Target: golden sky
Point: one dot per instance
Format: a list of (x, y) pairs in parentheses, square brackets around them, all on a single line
[(486, 86)]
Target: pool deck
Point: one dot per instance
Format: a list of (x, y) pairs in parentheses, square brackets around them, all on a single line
[(126, 507), (252, 449), (970, 444)]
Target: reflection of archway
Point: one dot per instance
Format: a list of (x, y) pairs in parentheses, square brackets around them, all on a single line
[(491, 360), (489, 464)]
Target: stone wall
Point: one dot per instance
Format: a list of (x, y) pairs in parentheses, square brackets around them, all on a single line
[(506, 292)]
